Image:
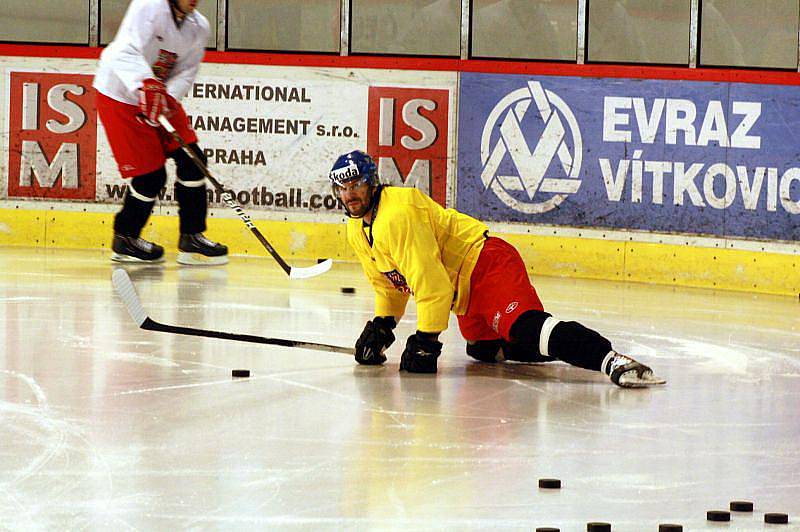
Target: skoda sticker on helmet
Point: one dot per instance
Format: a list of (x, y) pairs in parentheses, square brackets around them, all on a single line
[(342, 175), (546, 174)]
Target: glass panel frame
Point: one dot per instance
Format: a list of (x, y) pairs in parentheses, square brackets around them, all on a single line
[(376, 28), (738, 34), (310, 26), (655, 32), (720, 33), (45, 21), (525, 29)]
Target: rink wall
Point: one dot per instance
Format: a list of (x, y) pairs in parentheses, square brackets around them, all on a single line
[(677, 176)]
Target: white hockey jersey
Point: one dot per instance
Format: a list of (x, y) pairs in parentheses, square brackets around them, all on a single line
[(150, 44)]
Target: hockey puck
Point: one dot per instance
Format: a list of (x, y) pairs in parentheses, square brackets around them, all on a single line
[(668, 527), (718, 515), (741, 506), (240, 373), (348, 290), (547, 529), (776, 519), (598, 527), (550, 483)]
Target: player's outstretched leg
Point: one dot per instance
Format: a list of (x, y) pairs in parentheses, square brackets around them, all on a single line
[(580, 346), (628, 373)]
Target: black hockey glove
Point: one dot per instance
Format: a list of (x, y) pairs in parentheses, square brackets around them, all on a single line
[(422, 350), (375, 338)]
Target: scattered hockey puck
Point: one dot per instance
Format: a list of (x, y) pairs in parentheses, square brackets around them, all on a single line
[(550, 483), (240, 373), (741, 506), (598, 527), (547, 529), (718, 515), (668, 527), (776, 519), (348, 290)]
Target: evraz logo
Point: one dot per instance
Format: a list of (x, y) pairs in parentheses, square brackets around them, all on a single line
[(546, 174)]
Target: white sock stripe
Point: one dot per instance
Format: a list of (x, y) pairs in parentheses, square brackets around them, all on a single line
[(140, 197), (606, 361), (193, 183), (544, 336)]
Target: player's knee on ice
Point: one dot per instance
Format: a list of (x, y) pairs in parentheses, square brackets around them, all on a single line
[(500, 350), (486, 350)]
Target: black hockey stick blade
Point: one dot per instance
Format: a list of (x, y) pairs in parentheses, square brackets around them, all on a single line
[(293, 272), (126, 291)]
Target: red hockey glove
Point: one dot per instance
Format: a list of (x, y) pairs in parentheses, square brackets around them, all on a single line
[(152, 101)]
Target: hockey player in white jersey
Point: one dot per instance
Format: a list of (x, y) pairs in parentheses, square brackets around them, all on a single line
[(144, 73)]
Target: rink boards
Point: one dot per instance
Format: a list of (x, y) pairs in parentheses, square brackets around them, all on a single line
[(630, 174)]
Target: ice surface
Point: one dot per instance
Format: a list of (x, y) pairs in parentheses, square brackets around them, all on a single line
[(104, 426)]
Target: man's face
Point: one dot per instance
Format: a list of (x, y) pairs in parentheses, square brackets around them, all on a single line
[(356, 196), (186, 6)]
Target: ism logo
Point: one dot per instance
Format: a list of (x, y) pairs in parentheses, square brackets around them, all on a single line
[(546, 174)]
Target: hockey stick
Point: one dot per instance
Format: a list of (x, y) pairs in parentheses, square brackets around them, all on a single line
[(230, 201), (126, 291)]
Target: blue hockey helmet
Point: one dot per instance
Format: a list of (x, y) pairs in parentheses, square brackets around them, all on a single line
[(356, 166)]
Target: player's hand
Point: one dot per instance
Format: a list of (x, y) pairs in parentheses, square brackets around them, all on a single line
[(421, 352), (153, 101), (375, 338)]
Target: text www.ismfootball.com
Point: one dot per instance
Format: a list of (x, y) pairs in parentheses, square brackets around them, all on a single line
[(257, 196)]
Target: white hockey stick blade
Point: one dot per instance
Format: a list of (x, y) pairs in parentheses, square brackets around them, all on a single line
[(310, 271), (124, 287)]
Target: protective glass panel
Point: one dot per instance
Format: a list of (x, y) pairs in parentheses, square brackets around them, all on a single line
[(413, 27), (749, 34), (639, 31), (112, 11), (284, 25), (525, 29), (45, 21)]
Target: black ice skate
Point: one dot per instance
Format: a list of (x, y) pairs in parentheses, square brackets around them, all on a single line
[(197, 249), (628, 373), (135, 249)]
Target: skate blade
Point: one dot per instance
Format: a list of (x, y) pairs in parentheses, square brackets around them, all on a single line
[(632, 380), (198, 259), (116, 257)]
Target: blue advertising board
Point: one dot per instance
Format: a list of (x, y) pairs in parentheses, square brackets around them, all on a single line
[(704, 158)]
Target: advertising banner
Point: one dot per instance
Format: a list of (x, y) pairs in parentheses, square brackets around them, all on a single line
[(407, 134), (270, 134), (52, 136), (701, 158)]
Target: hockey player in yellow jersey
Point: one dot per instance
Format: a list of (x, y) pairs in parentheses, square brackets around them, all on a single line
[(408, 244)]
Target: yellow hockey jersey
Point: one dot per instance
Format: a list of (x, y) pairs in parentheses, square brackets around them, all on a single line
[(415, 246)]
